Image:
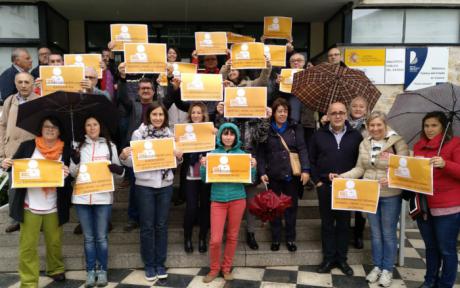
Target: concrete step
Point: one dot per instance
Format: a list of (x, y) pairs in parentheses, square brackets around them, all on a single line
[(127, 256)]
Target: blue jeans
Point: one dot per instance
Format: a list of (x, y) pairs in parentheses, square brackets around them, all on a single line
[(94, 220), (296, 108), (153, 205), (440, 236), (133, 214), (383, 232)]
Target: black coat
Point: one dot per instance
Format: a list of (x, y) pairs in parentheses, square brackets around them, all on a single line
[(328, 157), (7, 85), (273, 158), (64, 194)]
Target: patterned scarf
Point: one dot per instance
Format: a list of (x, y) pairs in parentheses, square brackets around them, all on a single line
[(150, 132), (357, 123)]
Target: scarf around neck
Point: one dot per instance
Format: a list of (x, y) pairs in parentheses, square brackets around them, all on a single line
[(50, 153)]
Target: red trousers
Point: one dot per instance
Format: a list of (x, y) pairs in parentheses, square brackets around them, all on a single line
[(220, 212)]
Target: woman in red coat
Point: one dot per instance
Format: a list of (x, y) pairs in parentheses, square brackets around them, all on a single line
[(441, 226)]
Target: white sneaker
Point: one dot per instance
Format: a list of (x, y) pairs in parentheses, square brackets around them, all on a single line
[(386, 278), (374, 275)]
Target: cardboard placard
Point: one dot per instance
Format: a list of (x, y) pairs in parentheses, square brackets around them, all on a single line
[(355, 195), (228, 168), (201, 87), (93, 177), (85, 60), (410, 173), (195, 137), (249, 55), (145, 58), (245, 102), (153, 154), (61, 78), (128, 33), (37, 173)]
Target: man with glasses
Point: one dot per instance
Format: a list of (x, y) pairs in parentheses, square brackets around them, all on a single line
[(89, 84), (43, 58), (334, 56), (334, 148)]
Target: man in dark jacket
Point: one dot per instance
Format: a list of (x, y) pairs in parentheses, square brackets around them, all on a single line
[(333, 149), (21, 62)]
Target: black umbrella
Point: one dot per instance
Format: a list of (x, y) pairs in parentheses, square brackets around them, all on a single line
[(71, 108), (409, 108)]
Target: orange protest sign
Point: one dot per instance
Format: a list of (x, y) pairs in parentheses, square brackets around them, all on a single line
[(245, 102), (276, 54), (145, 58), (228, 168), (211, 43), (93, 177), (177, 68), (195, 137), (249, 55), (128, 33), (201, 87), (410, 173), (85, 60), (37, 173), (277, 27), (287, 77), (153, 154), (238, 38), (61, 78), (355, 195)]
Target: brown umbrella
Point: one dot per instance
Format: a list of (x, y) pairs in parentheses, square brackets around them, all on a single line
[(321, 85)]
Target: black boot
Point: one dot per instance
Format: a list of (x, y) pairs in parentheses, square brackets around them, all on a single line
[(251, 241), (202, 248), (188, 247)]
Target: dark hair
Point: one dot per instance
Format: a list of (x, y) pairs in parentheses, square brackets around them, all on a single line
[(204, 110), (56, 122), (55, 52), (442, 118), (43, 46), (229, 130), (241, 76), (178, 58), (152, 107), (103, 132), (105, 50), (280, 102)]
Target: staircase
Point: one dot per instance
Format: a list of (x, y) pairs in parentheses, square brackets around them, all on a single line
[(124, 247)]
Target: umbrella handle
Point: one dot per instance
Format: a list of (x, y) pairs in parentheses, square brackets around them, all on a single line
[(265, 184)]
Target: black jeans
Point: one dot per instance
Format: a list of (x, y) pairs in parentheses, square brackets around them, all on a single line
[(290, 188), (334, 227), (197, 196)]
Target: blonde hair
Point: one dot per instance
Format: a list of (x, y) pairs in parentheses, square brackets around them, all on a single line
[(359, 98), (377, 115)]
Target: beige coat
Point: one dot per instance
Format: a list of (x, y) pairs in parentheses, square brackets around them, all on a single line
[(10, 135), (365, 169)]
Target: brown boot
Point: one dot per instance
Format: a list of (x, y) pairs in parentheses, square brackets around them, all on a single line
[(210, 277), (12, 228), (228, 276)]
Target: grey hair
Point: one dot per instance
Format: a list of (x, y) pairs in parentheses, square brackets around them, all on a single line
[(377, 114), (17, 52)]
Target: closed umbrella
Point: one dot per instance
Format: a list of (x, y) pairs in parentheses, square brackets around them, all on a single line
[(267, 205)]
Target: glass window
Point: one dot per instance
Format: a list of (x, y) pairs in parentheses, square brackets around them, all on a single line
[(5, 57), (335, 30), (19, 21), (432, 26), (377, 26), (97, 35), (58, 30)]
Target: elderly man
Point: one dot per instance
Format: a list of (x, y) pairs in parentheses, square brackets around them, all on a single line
[(89, 84), (10, 135), (43, 58), (21, 62)]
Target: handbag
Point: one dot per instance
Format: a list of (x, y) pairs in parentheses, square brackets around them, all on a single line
[(418, 206), (293, 159)]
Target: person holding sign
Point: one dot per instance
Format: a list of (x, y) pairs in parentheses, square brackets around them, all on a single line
[(46, 208), (153, 194), (276, 167), (238, 78), (228, 202), (440, 225), (197, 193), (373, 164), (94, 210)]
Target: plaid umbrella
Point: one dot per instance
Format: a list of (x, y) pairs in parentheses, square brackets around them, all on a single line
[(321, 85)]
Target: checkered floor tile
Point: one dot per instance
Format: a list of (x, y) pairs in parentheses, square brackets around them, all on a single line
[(410, 275)]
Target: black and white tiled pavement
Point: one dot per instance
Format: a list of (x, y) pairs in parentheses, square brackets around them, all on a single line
[(410, 275)]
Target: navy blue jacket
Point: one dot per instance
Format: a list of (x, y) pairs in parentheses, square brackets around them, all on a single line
[(328, 157), (7, 86)]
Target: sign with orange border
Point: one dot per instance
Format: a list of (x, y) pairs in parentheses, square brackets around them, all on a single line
[(287, 77), (211, 43), (153, 154), (410, 173), (195, 137), (85, 60), (228, 168), (37, 173), (245, 102), (61, 78), (93, 177), (128, 33), (201, 87), (355, 195), (277, 27), (250, 55), (145, 58)]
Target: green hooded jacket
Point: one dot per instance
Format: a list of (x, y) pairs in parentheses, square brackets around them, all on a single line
[(226, 192)]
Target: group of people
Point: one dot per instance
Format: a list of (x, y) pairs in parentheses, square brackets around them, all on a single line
[(349, 141)]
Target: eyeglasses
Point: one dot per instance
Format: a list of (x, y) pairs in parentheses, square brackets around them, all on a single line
[(91, 77), (335, 54), (296, 60), (337, 114), (145, 88), (210, 59), (50, 127)]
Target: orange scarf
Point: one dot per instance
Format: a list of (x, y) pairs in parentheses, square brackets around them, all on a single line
[(50, 153)]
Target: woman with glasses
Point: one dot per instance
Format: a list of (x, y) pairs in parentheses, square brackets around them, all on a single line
[(372, 164)]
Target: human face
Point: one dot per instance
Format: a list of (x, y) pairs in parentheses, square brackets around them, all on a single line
[(196, 114), (43, 56), (172, 55), (210, 61), (334, 56), (146, 92), (55, 60), (228, 139), (106, 57), (50, 132), (432, 128), (92, 128), (233, 75), (91, 75), (157, 117), (297, 61), (281, 114), (377, 129), (358, 109), (24, 84), (337, 115), (24, 61)]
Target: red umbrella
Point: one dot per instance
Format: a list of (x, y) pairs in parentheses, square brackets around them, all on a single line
[(267, 205)]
